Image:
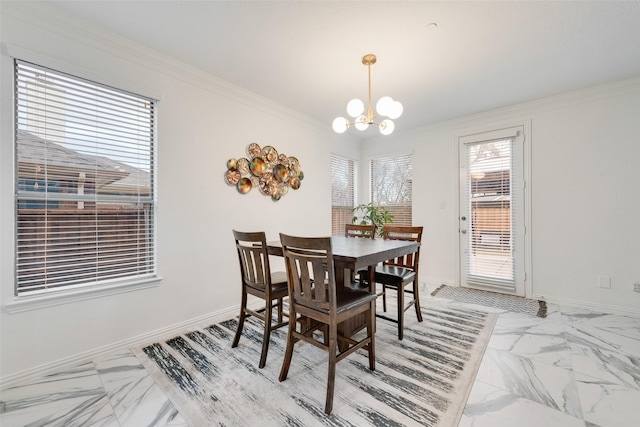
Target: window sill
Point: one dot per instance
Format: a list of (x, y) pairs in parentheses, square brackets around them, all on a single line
[(36, 302)]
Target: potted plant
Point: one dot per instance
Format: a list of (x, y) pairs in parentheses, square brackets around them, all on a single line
[(370, 214)]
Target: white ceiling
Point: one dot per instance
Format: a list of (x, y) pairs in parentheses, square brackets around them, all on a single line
[(307, 55)]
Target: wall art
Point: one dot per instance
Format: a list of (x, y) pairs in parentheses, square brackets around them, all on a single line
[(263, 168)]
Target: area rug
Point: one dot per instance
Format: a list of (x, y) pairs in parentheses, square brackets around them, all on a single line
[(422, 380), (512, 303)]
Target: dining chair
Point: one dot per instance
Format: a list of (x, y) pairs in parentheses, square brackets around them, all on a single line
[(360, 230), (258, 280), (367, 231), (324, 303), (397, 273)]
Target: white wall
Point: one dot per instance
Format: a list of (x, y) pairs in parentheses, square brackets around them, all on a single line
[(202, 122), (584, 193), (584, 190)]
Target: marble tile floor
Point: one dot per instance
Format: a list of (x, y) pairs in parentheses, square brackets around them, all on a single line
[(573, 368)]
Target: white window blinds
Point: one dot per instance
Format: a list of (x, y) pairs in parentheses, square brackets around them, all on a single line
[(391, 186), (343, 174), (85, 187)]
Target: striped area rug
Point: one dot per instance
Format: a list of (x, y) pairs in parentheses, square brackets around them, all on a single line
[(422, 380)]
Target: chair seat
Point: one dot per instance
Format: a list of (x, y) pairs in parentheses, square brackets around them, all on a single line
[(347, 298), (278, 280), (278, 283), (389, 275)]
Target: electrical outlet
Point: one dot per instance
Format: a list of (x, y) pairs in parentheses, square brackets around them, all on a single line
[(604, 282), (636, 287)]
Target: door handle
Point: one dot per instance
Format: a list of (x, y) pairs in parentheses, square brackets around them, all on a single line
[(463, 231)]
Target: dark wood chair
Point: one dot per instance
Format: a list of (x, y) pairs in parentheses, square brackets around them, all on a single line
[(324, 303), (367, 231), (360, 230), (258, 280), (397, 273)]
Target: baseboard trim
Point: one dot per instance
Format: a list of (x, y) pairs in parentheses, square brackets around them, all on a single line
[(601, 308), (88, 356)]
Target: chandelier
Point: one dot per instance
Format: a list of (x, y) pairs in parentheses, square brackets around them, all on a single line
[(385, 107)]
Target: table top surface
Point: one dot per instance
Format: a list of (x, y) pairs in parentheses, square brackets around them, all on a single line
[(361, 252)]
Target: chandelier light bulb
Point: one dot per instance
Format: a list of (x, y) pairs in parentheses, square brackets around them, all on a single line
[(396, 110), (355, 107), (384, 106), (361, 123), (340, 125), (387, 127)]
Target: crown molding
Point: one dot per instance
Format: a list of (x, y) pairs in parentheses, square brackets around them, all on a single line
[(530, 108)]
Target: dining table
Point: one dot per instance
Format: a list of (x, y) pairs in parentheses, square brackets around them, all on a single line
[(352, 254)]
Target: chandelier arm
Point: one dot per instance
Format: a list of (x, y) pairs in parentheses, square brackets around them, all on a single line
[(372, 122)]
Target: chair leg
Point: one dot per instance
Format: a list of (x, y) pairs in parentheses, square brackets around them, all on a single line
[(333, 347), (243, 314), (267, 334), (384, 298), (371, 322), (286, 362), (279, 310), (400, 288), (325, 334), (416, 297)]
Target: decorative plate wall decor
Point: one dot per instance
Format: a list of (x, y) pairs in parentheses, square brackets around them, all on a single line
[(263, 168)]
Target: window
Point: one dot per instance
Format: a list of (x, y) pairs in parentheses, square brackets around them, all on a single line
[(343, 173), (85, 184), (391, 184)]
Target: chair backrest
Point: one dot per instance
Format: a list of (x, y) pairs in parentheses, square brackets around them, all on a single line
[(310, 272), (254, 259), (360, 230), (402, 232)]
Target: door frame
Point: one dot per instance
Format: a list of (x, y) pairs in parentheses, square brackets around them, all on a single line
[(526, 176)]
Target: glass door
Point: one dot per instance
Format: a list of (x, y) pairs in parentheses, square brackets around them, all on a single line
[(491, 217)]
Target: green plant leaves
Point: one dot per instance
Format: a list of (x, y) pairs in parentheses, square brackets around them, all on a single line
[(370, 214)]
